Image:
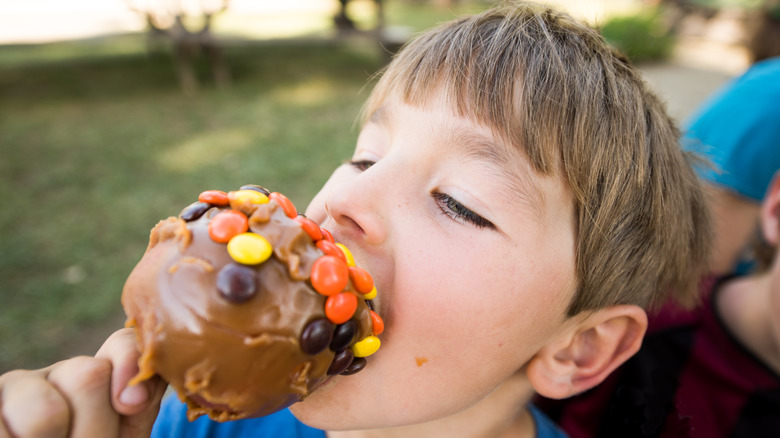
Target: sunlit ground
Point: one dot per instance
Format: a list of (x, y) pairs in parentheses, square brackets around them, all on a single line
[(35, 21)]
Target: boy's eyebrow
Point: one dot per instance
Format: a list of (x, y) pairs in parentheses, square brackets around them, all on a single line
[(517, 185), (380, 116)]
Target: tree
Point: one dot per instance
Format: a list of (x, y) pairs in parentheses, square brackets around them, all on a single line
[(187, 25)]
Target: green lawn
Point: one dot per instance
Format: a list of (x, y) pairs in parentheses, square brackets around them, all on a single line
[(97, 144)]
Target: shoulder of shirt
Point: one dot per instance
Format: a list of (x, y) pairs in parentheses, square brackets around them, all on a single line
[(172, 423)]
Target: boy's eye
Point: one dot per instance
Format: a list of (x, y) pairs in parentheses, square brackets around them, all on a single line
[(459, 212), (361, 165)]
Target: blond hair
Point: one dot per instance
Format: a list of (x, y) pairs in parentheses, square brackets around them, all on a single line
[(551, 86)]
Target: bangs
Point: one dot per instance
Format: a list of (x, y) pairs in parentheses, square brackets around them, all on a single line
[(478, 66)]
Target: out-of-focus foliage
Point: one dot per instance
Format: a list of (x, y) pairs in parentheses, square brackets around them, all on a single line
[(642, 36), (720, 4)]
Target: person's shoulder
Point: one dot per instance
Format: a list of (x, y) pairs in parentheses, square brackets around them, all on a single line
[(172, 423), (765, 70), (545, 428)]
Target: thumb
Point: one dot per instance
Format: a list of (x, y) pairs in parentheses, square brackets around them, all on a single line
[(120, 349), (140, 424), (138, 403)]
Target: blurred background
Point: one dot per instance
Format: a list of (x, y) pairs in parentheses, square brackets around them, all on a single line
[(117, 113)]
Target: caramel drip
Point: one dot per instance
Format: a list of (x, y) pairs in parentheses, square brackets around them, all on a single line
[(267, 338), (197, 261)]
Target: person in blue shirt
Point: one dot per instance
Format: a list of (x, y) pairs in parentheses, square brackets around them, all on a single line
[(519, 196), (738, 129)]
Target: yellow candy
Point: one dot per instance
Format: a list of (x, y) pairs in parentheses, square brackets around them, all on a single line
[(368, 346), (347, 254), (371, 295), (249, 248), (253, 196)]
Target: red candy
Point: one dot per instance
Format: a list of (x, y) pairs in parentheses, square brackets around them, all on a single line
[(331, 249), (361, 279), (310, 227), (339, 308), (286, 204), (227, 224), (377, 323), (214, 197), (329, 275)]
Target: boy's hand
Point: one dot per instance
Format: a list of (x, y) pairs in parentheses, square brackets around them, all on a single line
[(82, 397)]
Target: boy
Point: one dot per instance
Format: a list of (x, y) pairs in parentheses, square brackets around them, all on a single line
[(519, 196)]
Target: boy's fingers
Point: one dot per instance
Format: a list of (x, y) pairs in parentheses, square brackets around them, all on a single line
[(140, 403), (85, 383), (32, 407), (140, 425), (120, 349)]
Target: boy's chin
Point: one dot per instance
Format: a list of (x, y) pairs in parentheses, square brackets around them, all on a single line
[(316, 412), (330, 407)]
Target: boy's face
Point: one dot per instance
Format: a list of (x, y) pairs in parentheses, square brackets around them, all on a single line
[(472, 254)]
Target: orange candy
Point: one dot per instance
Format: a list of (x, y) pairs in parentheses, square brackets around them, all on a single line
[(214, 197), (331, 249), (377, 323), (339, 308), (310, 227), (329, 275), (285, 203), (327, 236), (227, 224), (361, 279)]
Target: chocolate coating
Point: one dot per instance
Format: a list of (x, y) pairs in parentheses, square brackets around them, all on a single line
[(242, 356)]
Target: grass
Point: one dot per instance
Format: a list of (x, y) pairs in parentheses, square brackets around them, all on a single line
[(98, 144)]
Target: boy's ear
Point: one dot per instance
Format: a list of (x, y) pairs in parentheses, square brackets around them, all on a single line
[(770, 212), (584, 356)]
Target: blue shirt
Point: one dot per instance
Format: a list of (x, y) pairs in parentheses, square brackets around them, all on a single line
[(172, 423), (738, 129)]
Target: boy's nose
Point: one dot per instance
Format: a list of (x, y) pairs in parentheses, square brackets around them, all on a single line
[(355, 205)]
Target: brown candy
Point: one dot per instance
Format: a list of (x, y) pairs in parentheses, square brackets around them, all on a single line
[(236, 283), (357, 365), (341, 361), (194, 211), (256, 188), (316, 336), (344, 335)]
